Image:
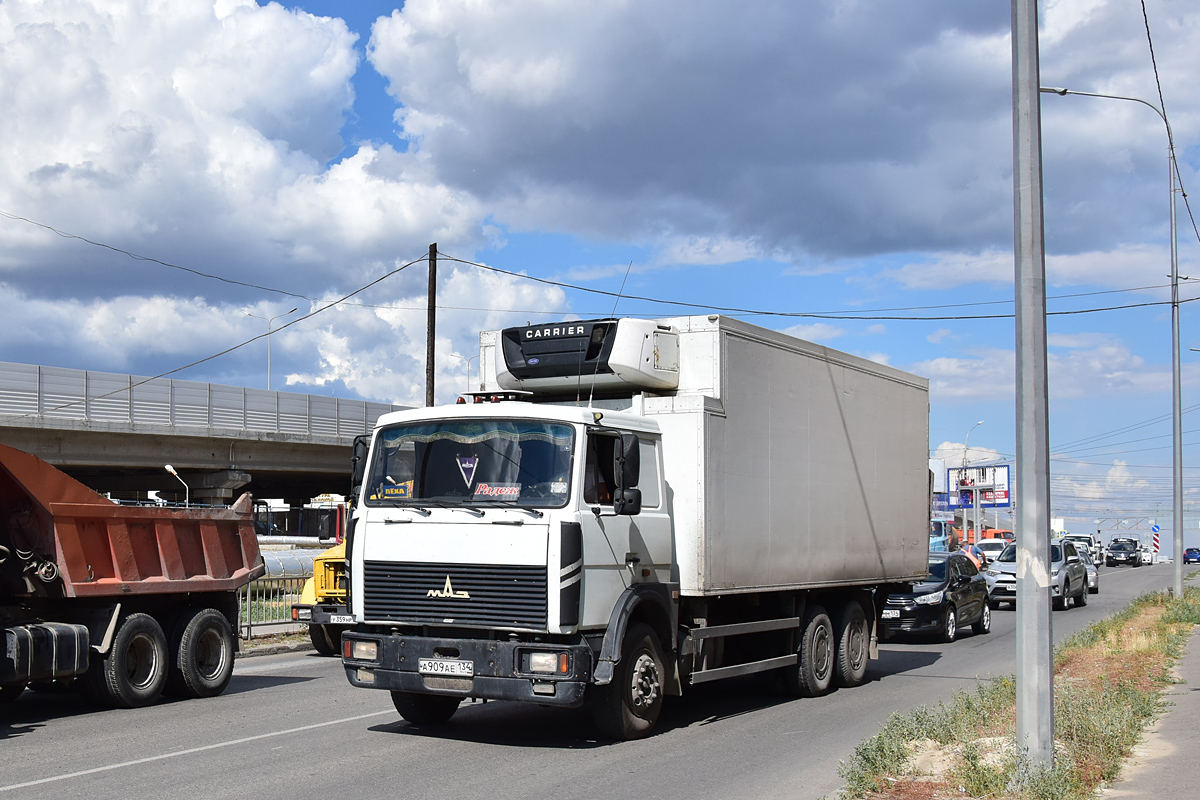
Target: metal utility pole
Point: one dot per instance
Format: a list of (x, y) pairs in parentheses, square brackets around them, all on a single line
[(431, 325), (1035, 675)]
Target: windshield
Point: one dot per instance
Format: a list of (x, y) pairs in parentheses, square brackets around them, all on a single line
[(937, 570), (1009, 555), (472, 462), (1122, 546)]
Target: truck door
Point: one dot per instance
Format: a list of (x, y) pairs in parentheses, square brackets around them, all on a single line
[(617, 549)]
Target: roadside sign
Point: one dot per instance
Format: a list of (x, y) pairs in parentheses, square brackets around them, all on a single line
[(992, 483)]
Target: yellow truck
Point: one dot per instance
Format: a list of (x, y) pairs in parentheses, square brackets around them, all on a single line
[(324, 601)]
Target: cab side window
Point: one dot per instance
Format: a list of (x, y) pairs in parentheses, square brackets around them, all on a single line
[(598, 480), (967, 567)]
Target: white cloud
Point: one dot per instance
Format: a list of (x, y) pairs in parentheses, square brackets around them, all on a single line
[(938, 336), (954, 454), (821, 332), (876, 330)]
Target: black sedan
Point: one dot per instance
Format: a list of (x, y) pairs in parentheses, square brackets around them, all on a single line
[(954, 595)]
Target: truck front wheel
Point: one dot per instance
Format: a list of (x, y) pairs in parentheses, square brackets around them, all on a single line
[(813, 675), (854, 640), (322, 642), (628, 706), (425, 709), (134, 672)]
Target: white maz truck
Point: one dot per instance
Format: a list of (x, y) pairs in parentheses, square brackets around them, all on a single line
[(630, 508)]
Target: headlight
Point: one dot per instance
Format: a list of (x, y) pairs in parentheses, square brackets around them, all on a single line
[(1054, 572), (993, 572), (360, 650), (929, 599)]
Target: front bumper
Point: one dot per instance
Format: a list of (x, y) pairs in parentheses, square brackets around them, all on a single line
[(322, 614), (911, 618), (500, 668)]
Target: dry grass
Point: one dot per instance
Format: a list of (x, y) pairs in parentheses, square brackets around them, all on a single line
[(1109, 680)]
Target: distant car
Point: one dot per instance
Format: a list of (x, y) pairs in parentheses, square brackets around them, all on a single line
[(1123, 551), (952, 596), (992, 548), (1191, 555), (1068, 576), (1093, 574)]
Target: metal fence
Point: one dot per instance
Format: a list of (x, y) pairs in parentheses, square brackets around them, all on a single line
[(28, 390), (266, 606)]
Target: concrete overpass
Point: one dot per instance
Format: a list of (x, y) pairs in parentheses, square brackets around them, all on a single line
[(116, 432)]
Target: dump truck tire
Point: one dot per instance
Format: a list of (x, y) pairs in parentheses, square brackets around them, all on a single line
[(322, 642), (202, 655), (134, 673)]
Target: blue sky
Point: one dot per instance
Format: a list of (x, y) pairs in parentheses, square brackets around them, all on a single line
[(830, 157)]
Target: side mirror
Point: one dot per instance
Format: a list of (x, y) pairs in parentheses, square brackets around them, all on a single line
[(627, 502), (358, 463), (627, 462)]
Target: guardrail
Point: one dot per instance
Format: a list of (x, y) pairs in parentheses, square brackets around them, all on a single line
[(265, 606), (58, 393)]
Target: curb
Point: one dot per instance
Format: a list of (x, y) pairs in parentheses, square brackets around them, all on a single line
[(272, 649)]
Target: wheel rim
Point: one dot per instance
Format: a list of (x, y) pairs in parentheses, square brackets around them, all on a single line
[(141, 662), (822, 653), (987, 617), (951, 624), (645, 683), (211, 655), (857, 645)]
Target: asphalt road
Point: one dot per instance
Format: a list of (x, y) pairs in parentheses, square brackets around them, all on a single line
[(290, 726)]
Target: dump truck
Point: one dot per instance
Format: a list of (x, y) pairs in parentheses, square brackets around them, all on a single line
[(631, 508), (126, 601)]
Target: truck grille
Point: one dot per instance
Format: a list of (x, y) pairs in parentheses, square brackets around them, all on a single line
[(499, 595)]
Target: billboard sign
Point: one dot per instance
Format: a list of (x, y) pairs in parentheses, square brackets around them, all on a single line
[(990, 481)]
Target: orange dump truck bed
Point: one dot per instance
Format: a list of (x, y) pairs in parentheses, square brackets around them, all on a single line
[(101, 549)]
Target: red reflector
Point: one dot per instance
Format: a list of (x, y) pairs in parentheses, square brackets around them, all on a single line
[(479, 398), (347, 648), (460, 401), (495, 398)]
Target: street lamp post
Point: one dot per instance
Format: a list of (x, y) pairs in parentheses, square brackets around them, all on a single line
[(269, 320), (187, 493), (974, 494), (1176, 380)]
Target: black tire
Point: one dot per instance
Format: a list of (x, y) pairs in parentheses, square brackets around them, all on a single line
[(202, 652), (134, 673), (949, 625), (813, 674), (1081, 599), (11, 691), (322, 642), (425, 709), (983, 625), (1060, 602), (628, 707), (853, 646)]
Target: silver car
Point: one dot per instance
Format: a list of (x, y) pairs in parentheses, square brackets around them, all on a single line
[(1093, 574), (1068, 576)]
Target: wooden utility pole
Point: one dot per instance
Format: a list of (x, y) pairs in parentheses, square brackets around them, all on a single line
[(431, 327)]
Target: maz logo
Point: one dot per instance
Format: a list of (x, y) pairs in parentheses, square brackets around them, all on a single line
[(447, 591)]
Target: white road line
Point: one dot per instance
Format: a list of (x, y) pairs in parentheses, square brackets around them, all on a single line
[(278, 665), (189, 751)]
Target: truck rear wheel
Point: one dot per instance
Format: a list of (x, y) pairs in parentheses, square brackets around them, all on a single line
[(853, 645), (425, 709), (628, 707), (202, 655), (325, 638), (813, 675), (134, 672)]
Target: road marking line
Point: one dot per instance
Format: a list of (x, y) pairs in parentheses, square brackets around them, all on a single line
[(189, 751)]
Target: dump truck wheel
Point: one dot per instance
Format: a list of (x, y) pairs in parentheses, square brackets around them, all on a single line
[(202, 655), (425, 709), (134, 672), (853, 645), (628, 706), (322, 642), (813, 674)]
